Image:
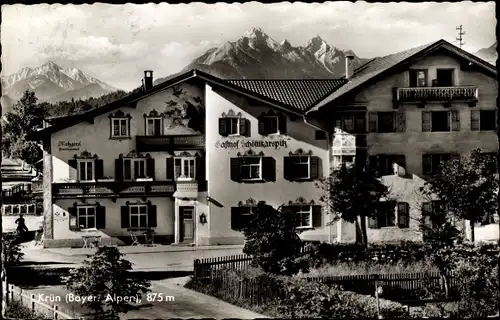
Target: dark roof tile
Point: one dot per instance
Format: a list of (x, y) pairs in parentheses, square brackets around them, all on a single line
[(297, 94)]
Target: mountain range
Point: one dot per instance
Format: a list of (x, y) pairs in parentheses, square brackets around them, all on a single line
[(489, 54), (255, 55), (51, 83)]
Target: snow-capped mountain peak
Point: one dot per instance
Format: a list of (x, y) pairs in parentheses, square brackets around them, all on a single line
[(256, 38)]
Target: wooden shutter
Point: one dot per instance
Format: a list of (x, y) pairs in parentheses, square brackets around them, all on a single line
[(269, 169), (125, 217), (403, 215), (170, 168), (152, 218), (119, 169), (426, 121), (282, 124), (426, 164), (200, 169), (400, 121), (244, 128), (235, 169), (288, 172), (73, 170), (99, 169), (223, 127), (317, 215), (455, 121), (262, 126), (100, 217), (475, 116), (150, 168), (372, 222), (73, 219), (315, 167), (236, 218), (372, 122), (427, 214)]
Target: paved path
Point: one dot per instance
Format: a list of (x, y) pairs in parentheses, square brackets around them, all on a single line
[(186, 304), (175, 259)]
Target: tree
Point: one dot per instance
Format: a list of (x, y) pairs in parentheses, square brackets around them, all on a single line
[(272, 240), (11, 255), (105, 276), (25, 117), (466, 190), (353, 193)]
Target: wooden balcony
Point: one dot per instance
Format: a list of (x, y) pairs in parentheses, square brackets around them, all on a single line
[(168, 143), (447, 95), (112, 189)]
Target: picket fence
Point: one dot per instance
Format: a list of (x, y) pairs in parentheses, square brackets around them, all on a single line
[(36, 306)]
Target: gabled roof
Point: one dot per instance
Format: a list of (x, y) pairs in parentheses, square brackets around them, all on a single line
[(378, 68), (298, 94), (293, 96)]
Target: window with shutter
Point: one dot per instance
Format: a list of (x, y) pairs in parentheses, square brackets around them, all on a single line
[(387, 214), (300, 167), (185, 168), (244, 129), (134, 168), (455, 121), (251, 168), (233, 126), (372, 121), (223, 126), (86, 217), (487, 120), (120, 127), (138, 216), (304, 215), (474, 120), (386, 122), (271, 124), (403, 215), (86, 172), (440, 121), (426, 121)]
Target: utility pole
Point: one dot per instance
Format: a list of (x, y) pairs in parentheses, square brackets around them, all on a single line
[(459, 37)]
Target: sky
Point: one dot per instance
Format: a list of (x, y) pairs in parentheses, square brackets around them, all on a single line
[(116, 43)]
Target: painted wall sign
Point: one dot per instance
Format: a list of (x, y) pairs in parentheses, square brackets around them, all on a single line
[(237, 144), (69, 145)]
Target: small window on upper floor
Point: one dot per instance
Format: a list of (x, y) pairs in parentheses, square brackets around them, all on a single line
[(440, 121), (444, 78), (351, 122), (233, 126), (272, 123), (119, 125), (418, 78)]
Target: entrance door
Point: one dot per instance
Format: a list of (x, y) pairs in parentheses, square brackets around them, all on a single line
[(187, 227)]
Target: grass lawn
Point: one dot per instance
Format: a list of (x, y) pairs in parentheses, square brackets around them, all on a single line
[(359, 268)]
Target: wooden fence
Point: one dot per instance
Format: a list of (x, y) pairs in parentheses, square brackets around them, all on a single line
[(31, 302)]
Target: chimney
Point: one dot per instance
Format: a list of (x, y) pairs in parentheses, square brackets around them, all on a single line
[(347, 58), (148, 79)]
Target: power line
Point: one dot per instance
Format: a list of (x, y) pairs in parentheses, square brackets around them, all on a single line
[(459, 37)]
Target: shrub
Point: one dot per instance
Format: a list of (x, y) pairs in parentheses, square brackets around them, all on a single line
[(306, 299), (16, 310), (272, 240), (103, 276)]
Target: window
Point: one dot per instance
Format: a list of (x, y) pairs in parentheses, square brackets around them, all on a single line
[(86, 217), (153, 126), (346, 160), (184, 168), (444, 77), (384, 164), (440, 121), (133, 169), (271, 124), (302, 166), (391, 214), (240, 217), (385, 122), (431, 163), (418, 78), (86, 170), (8, 209), (251, 168), (119, 127), (31, 209), (483, 120), (23, 208), (232, 126), (138, 216), (430, 210), (351, 122), (304, 216)]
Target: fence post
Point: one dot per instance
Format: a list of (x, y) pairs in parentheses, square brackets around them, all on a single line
[(196, 268), (56, 314), (33, 303)]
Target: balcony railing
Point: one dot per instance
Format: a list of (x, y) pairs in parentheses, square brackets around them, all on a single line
[(436, 94), (165, 143), (112, 189)]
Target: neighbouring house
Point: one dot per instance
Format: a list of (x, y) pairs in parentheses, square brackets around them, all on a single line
[(190, 157), (21, 194), (406, 113)]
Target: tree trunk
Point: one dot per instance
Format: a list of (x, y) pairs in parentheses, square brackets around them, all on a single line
[(364, 233), (472, 233)]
